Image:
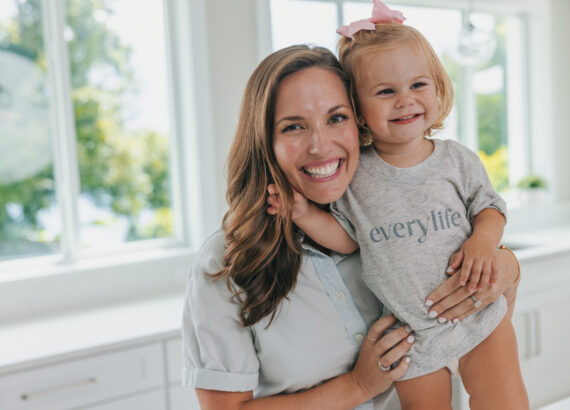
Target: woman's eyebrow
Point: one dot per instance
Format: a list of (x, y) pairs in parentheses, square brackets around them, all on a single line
[(336, 107), (291, 118)]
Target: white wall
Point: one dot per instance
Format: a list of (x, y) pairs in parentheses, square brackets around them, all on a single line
[(561, 96), (231, 39)]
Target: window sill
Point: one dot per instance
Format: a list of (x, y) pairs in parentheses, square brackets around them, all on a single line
[(49, 290), (88, 332)]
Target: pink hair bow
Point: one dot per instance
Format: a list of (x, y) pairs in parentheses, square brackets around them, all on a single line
[(380, 14)]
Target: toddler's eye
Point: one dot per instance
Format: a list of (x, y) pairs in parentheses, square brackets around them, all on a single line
[(418, 84), (338, 118), (386, 91)]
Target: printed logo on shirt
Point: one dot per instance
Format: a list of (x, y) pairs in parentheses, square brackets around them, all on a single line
[(439, 220)]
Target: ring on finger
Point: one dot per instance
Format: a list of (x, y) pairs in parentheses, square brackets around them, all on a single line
[(476, 302), (371, 339), (384, 369)]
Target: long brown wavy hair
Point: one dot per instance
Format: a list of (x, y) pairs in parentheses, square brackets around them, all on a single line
[(263, 252)]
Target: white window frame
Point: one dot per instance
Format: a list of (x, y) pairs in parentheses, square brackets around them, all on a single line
[(50, 284)]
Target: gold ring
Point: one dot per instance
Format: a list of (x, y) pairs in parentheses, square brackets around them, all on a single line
[(372, 340)]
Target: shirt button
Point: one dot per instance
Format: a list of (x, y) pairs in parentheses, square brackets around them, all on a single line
[(340, 295), (359, 337)]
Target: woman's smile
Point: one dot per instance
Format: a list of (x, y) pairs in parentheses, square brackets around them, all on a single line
[(325, 171)]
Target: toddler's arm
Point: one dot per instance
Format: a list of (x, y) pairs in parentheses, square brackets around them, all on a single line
[(477, 254), (318, 224)]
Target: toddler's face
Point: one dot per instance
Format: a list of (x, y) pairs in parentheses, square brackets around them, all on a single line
[(397, 96)]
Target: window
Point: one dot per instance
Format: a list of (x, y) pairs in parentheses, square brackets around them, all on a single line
[(490, 111), (86, 163)]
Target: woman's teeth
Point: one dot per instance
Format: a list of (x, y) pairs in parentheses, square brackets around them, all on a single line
[(324, 171)]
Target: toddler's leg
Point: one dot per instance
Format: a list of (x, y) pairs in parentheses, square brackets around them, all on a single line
[(429, 392), (491, 373)]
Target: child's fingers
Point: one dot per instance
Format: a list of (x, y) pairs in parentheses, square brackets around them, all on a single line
[(272, 189), (485, 276), (454, 262), (273, 202), (465, 271), (475, 276)]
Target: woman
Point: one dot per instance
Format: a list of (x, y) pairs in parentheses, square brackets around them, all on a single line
[(271, 320)]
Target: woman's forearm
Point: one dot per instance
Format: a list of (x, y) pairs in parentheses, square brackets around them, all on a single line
[(338, 393)]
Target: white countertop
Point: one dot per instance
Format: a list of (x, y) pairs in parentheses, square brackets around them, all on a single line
[(539, 245), (46, 340)]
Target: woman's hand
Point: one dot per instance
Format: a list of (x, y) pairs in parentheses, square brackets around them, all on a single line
[(451, 301), (383, 351)]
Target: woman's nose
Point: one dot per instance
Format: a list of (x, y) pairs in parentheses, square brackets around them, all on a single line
[(319, 142)]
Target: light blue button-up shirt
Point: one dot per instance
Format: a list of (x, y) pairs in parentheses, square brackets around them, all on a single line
[(316, 334)]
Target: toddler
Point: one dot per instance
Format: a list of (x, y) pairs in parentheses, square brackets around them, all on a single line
[(414, 201)]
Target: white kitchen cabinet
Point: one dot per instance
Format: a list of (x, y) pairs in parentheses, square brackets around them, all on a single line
[(543, 334), (79, 383), (153, 400), (183, 398), (180, 398)]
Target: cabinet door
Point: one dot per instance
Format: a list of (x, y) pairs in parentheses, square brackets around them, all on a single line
[(543, 333), (84, 382), (183, 398), (154, 400)]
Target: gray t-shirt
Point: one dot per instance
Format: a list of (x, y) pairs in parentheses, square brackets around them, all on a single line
[(316, 334), (408, 222)]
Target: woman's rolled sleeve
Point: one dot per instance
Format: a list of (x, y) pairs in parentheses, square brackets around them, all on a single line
[(219, 353)]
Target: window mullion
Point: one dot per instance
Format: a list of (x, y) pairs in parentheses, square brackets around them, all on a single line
[(264, 32), (469, 133), (180, 201), (66, 167), (339, 13)]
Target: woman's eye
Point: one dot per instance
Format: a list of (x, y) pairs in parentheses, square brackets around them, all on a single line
[(386, 91), (291, 127), (338, 118)]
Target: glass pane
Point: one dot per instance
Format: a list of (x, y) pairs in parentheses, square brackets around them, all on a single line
[(118, 74), (296, 22), (488, 85), (29, 214)]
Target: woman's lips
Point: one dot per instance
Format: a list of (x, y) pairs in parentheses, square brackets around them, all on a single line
[(322, 172)]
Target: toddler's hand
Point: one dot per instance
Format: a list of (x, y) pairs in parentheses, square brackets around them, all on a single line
[(300, 204), (478, 262)]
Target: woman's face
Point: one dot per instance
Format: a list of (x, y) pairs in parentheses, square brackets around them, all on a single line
[(315, 137)]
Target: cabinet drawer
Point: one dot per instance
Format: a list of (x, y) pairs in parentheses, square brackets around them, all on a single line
[(174, 360), (82, 382), (154, 400)]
